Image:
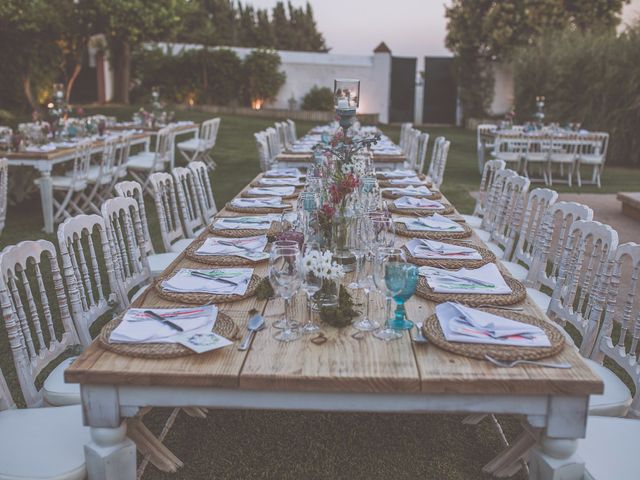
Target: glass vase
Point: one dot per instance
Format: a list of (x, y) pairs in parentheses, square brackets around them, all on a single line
[(327, 296)]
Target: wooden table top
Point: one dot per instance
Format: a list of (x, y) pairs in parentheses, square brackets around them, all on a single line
[(131, 125), (342, 364)]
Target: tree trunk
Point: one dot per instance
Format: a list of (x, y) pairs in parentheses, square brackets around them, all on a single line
[(72, 80), (26, 86), (122, 72)]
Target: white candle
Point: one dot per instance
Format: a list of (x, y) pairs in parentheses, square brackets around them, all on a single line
[(343, 103)]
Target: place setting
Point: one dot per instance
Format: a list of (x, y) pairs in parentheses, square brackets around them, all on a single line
[(411, 205), (434, 227), (229, 251), (420, 191), (447, 254), (413, 181), (285, 192), (279, 182), (251, 225), (258, 205), (283, 173)]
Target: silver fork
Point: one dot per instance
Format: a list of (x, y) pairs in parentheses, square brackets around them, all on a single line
[(500, 363)]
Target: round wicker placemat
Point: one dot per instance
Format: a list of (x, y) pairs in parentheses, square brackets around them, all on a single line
[(432, 196), (432, 330), (402, 230), (517, 295), (487, 257), (202, 298), (224, 326), (293, 196), (258, 184), (219, 260), (257, 210), (421, 212), (386, 183)]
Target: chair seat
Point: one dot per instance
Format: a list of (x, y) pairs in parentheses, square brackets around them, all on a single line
[(62, 182), (192, 145), (591, 159), (610, 449), (560, 158), (516, 270), (158, 262), (495, 248), (616, 398), (508, 157), (473, 221), (180, 245), (44, 443), (482, 234), (542, 300), (97, 175), (56, 391), (144, 161)]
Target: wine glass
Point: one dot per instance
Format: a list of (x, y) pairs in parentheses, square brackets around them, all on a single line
[(406, 276), (311, 284), (358, 242), (366, 283), (385, 259), (383, 230), (285, 277)]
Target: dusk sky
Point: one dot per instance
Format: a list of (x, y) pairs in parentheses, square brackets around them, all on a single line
[(410, 27)]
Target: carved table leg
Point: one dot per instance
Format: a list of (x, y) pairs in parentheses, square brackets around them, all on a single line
[(556, 459), (110, 455), (46, 197)]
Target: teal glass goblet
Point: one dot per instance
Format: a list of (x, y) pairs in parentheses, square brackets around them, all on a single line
[(404, 274)]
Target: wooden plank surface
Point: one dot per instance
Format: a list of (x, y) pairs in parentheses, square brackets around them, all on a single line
[(343, 363)]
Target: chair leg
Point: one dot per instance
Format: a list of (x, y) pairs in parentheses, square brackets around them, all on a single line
[(509, 461), (578, 176)]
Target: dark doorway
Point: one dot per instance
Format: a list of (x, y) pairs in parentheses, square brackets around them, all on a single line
[(403, 89), (440, 91)]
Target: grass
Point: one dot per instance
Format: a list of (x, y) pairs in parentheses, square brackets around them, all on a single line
[(290, 445)]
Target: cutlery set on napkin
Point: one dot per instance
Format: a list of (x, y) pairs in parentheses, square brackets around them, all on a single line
[(283, 173), (251, 248), (432, 223), (423, 248), (272, 191), (262, 202), (410, 203), (411, 191), (483, 280), (214, 281), (281, 182), (398, 173), (406, 181)]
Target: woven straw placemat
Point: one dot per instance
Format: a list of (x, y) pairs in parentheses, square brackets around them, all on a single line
[(293, 196), (224, 326), (202, 298), (401, 229), (421, 212), (219, 260), (258, 184), (454, 264), (386, 183), (433, 196), (257, 210), (432, 330), (517, 295)]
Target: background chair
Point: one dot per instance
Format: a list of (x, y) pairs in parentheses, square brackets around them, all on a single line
[(488, 174), (164, 196), (200, 147), (593, 152), (484, 143), (142, 165), (4, 190), (192, 216), (204, 190)]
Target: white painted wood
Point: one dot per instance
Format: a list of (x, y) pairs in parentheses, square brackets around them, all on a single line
[(423, 145), (100, 176), (482, 145), (28, 309), (204, 190), (87, 264), (4, 176), (164, 197), (494, 197), (110, 454), (411, 150), (199, 148), (191, 214), (488, 175), (292, 130), (510, 148), (538, 148), (6, 400), (134, 190), (593, 153), (556, 460), (509, 214), (563, 152), (142, 165), (274, 142), (263, 151), (439, 165), (404, 130)]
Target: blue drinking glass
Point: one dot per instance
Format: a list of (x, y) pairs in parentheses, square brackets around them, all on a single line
[(404, 276)]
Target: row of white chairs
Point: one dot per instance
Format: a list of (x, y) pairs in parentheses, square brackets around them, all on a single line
[(273, 141), (415, 145), (576, 272)]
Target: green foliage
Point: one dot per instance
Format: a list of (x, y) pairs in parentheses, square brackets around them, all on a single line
[(591, 78), (343, 314), (262, 76), (482, 31), (264, 290), (318, 98)]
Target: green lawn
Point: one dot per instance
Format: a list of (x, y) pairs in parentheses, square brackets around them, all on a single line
[(240, 444)]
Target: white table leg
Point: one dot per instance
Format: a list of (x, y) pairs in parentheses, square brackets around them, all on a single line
[(110, 455), (556, 459), (46, 197)]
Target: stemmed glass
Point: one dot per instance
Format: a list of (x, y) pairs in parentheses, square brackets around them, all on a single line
[(358, 243), (285, 277), (311, 284), (383, 230), (386, 259), (366, 283), (406, 276)]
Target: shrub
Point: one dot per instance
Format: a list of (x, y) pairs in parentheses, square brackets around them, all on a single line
[(262, 76), (318, 99)]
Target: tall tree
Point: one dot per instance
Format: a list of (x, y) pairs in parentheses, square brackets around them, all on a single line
[(247, 29), (265, 36)]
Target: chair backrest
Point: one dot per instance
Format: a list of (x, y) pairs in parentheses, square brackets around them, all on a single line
[(192, 217), (129, 188), (564, 147), (622, 318), (124, 234), (554, 235), (510, 145), (209, 132), (164, 197), (435, 153), (538, 202), (437, 173), (581, 289), (494, 196), (81, 164), (36, 310), (263, 151), (274, 142), (6, 400), (109, 156), (482, 130), (281, 129), (404, 130), (538, 147), (204, 190), (595, 145), (510, 212), (122, 157), (488, 174), (4, 190), (293, 134), (91, 268), (423, 144), (164, 146), (412, 147)]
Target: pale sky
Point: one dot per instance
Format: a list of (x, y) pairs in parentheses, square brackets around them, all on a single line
[(412, 28)]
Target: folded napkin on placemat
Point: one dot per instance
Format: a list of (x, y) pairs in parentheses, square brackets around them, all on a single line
[(272, 191), (139, 327), (218, 281), (251, 248), (410, 203), (433, 223), (399, 173), (468, 325), (283, 172), (409, 191), (284, 181), (422, 248), (241, 223), (484, 280), (407, 181), (258, 202)]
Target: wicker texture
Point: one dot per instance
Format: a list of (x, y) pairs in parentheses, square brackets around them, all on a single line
[(219, 260), (435, 195), (257, 210), (434, 334), (454, 264), (421, 212), (202, 298), (224, 326), (517, 295), (402, 230)]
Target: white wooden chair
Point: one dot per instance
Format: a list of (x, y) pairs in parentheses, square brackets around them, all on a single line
[(200, 147), (484, 131), (564, 152), (142, 165), (41, 443), (404, 130), (192, 216), (510, 148), (101, 175), (423, 145), (593, 152), (293, 134), (86, 265), (205, 191), (165, 199), (411, 148), (32, 295), (158, 262), (281, 129), (438, 165), (538, 202), (493, 204), (509, 216), (275, 147), (4, 190), (537, 151), (488, 174), (264, 155)]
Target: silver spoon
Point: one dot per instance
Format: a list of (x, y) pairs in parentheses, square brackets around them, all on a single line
[(525, 362), (255, 324)]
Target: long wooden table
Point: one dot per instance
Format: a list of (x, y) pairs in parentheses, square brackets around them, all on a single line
[(342, 375)]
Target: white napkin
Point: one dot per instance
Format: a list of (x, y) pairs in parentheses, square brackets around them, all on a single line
[(138, 327), (272, 191), (432, 223), (409, 191), (283, 172), (409, 202), (406, 181), (262, 202), (484, 280), (468, 325), (281, 182), (399, 173), (251, 248), (184, 282), (422, 248), (249, 223)]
